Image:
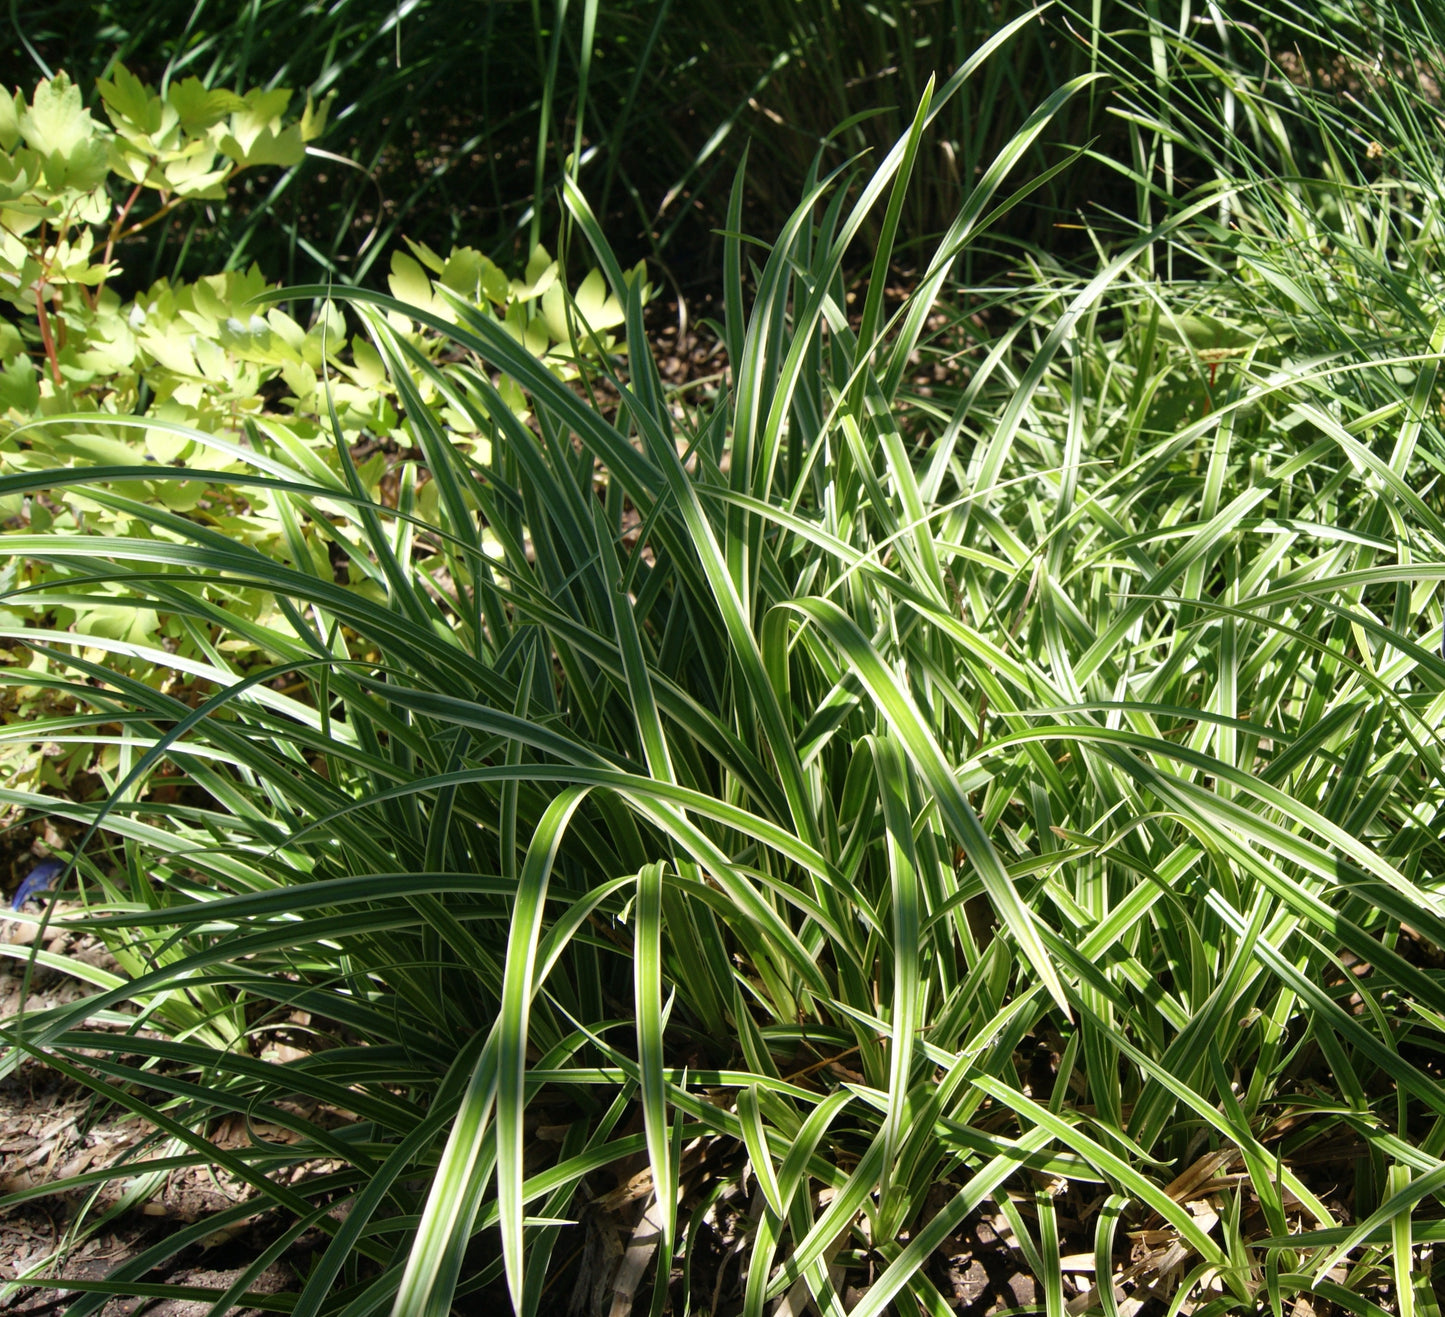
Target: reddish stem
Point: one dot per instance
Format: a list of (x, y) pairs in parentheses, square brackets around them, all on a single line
[(110, 240), (170, 204), (1208, 394), (46, 337)]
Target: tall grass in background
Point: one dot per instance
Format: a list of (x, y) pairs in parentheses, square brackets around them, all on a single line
[(1082, 702), (453, 124), (449, 119)]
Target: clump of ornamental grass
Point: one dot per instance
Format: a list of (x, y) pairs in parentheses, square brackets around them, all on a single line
[(749, 796)]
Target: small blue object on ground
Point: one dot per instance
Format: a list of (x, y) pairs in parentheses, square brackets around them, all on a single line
[(37, 882)]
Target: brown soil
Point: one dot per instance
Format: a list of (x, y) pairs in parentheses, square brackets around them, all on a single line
[(52, 1128)]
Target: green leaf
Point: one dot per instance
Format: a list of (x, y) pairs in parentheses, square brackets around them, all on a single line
[(20, 388), (200, 107), (119, 621), (1205, 333), (18, 172), (596, 307), (495, 284), (130, 103), (166, 445), (260, 111), (367, 367), (266, 146), (554, 314), (521, 982), (647, 993), (462, 272), (539, 262), (74, 148), (425, 255), (11, 108), (408, 282), (313, 117), (195, 176)]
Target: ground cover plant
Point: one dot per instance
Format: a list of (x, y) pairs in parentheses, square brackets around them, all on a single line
[(202, 355), (762, 832)]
